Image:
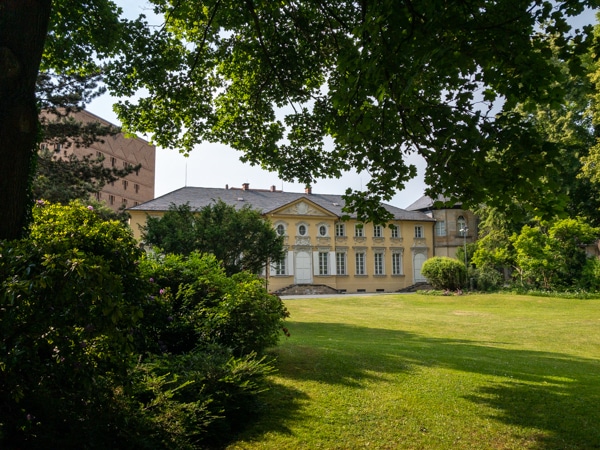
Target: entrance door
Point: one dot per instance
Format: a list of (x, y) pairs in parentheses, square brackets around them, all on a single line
[(418, 261), (303, 268)]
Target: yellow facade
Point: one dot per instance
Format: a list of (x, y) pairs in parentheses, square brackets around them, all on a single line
[(347, 256)]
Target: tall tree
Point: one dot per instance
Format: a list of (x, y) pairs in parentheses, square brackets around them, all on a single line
[(70, 36), (280, 80), (240, 238), (312, 88)]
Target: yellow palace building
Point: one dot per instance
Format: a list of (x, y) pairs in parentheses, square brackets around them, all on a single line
[(324, 253)]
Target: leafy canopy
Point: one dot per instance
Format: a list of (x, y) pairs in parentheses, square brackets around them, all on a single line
[(240, 238), (313, 88)]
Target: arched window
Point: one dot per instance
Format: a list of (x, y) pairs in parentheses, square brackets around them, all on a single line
[(461, 225)]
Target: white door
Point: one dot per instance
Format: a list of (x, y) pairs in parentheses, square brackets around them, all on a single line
[(418, 261), (303, 268)]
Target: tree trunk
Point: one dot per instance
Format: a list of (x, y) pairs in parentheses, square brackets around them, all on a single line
[(23, 30)]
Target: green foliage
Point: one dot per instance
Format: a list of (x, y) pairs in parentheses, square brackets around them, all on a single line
[(195, 304), (82, 363), (70, 295), (365, 83), (240, 238), (552, 255), (198, 398), (62, 180), (590, 275), (444, 273)]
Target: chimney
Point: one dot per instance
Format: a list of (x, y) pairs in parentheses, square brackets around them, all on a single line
[(308, 190), (226, 186), (245, 186), (273, 188)]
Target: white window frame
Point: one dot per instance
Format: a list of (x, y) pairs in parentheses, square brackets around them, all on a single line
[(340, 229), (397, 264), (323, 263), (279, 227), (341, 263), (322, 230), (379, 263), (440, 228), (395, 231), (280, 267), (377, 231), (359, 266), (419, 231), (300, 227), (359, 230)]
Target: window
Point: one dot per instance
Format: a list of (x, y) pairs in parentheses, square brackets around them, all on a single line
[(379, 266), (359, 230), (360, 263), (302, 230), (395, 231), (280, 267), (461, 225), (323, 263), (396, 263), (124, 202), (98, 196), (111, 199), (322, 230), (99, 155), (125, 165), (113, 161), (340, 229), (125, 184), (340, 263), (418, 231), (137, 188), (377, 231), (440, 228), (280, 230)]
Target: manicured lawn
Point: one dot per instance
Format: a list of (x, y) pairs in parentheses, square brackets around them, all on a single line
[(424, 372)]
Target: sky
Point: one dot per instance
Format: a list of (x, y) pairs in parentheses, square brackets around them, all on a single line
[(216, 165)]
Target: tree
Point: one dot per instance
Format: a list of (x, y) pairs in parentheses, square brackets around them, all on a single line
[(552, 255), (240, 238), (313, 88), (376, 79)]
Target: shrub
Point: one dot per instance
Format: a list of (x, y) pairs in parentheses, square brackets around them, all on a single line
[(200, 398), (488, 279), (444, 273), (195, 303), (590, 276), (71, 294)]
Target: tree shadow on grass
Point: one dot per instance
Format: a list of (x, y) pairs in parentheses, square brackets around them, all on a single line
[(555, 393)]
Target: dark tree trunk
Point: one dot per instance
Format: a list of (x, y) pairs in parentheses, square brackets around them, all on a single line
[(23, 30)]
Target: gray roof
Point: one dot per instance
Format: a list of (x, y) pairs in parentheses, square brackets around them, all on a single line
[(426, 203), (264, 201)]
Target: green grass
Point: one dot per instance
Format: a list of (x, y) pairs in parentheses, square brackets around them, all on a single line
[(426, 372)]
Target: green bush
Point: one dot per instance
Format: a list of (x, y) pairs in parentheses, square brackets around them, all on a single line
[(590, 276), (195, 303), (444, 273), (70, 296), (101, 348), (198, 399), (488, 279)]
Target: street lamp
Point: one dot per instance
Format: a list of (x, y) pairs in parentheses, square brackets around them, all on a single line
[(464, 231)]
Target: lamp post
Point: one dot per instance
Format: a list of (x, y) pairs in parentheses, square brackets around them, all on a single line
[(464, 231)]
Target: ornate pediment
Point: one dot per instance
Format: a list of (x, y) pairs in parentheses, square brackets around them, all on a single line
[(302, 208)]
